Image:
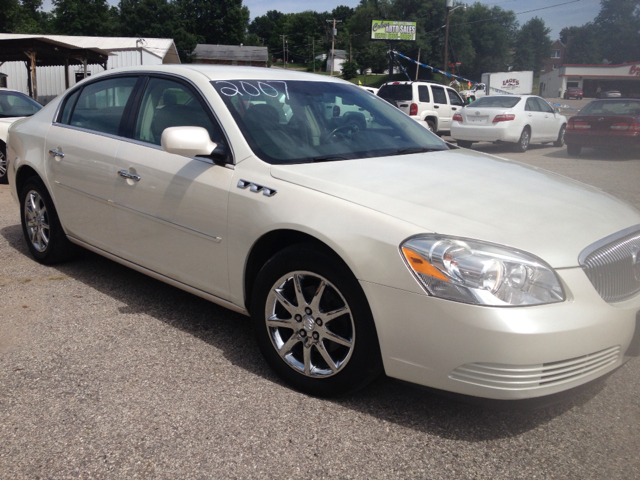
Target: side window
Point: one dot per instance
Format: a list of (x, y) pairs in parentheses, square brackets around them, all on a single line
[(532, 105), (454, 98), (68, 107), (167, 103), (101, 105), (423, 93), (544, 106), (438, 95)]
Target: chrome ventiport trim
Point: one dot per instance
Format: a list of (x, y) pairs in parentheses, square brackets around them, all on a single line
[(256, 188)]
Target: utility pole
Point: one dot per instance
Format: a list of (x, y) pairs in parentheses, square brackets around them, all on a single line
[(449, 4), (284, 58), (418, 64), (333, 41)]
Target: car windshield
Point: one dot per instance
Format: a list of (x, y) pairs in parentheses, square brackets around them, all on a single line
[(300, 122), (614, 107), (507, 101), (392, 93), (13, 104)]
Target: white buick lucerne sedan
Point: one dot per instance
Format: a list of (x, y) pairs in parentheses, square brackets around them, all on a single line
[(516, 119), (357, 241)]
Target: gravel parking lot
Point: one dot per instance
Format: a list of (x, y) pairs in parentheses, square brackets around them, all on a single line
[(106, 373)]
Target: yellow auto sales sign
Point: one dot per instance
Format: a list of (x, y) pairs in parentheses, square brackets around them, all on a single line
[(391, 30)]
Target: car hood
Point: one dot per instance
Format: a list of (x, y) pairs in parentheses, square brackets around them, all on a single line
[(474, 195)]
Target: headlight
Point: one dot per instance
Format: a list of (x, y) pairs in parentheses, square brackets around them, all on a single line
[(481, 273)]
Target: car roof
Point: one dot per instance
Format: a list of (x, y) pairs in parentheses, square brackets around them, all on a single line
[(226, 72)]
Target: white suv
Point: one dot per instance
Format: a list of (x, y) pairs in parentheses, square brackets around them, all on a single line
[(431, 104)]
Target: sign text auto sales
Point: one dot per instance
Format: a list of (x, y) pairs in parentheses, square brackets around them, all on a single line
[(392, 30)]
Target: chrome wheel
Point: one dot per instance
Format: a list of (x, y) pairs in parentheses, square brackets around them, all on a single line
[(310, 324), (3, 164), (37, 221), (523, 143)]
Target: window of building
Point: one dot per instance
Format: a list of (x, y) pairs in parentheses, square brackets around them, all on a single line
[(555, 54)]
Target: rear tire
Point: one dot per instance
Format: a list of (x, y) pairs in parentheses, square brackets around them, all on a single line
[(313, 323), (41, 227), (560, 141), (523, 144), (3, 164), (464, 143), (573, 150), (431, 125)]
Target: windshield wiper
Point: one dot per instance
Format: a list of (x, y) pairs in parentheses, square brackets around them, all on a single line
[(328, 158), (404, 151)]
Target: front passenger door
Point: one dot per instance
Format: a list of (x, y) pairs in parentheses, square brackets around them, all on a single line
[(172, 209)]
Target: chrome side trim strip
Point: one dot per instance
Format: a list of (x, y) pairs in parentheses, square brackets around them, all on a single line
[(213, 238), (162, 278)]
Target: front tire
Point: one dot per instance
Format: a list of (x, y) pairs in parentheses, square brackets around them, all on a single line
[(523, 144), (431, 125), (41, 227), (313, 323), (560, 141)]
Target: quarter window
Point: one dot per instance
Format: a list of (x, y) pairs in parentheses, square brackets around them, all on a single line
[(171, 104), (100, 106)]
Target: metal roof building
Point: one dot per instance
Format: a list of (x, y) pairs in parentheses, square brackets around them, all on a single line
[(121, 51), (231, 55)]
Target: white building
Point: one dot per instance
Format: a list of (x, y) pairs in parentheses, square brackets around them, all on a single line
[(123, 52), (624, 77)]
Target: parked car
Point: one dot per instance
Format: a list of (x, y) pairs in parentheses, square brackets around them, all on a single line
[(609, 94), (607, 123), (516, 119), (573, 92), (372, 90), (430, 104), (355, 251), (13, 105)]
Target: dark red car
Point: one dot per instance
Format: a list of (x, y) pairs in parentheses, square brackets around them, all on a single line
[(612, 123), (573, 92)]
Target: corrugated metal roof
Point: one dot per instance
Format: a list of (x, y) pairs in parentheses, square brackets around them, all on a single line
[(160, 47), (231, 52)]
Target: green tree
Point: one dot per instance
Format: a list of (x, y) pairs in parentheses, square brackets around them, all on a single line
[(618, 25), (582, 45), (349, 70), (533, 46), (82, 17), (214, 21)]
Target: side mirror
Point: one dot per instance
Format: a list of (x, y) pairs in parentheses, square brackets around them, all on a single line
[(187, 141), (556, 110)]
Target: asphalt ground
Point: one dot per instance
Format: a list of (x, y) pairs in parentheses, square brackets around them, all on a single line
[(106, 373)]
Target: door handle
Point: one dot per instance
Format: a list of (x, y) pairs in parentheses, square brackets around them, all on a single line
[(125, 174), (56, 153), (436, 106), (453, 108)]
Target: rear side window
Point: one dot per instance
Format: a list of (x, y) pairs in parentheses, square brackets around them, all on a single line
[(532, 105), (396, 92), (439, 96), (423, 93), (100, 106)]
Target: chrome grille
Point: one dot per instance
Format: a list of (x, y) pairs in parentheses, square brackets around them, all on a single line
[(526, 377), (613, 265)]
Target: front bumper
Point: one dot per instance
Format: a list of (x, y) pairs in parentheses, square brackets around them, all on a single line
[(503, 353), (499, 132)]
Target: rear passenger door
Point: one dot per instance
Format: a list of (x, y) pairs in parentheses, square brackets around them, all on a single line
[(171, 209), (535, 118), (441, 105), (81, 146)]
